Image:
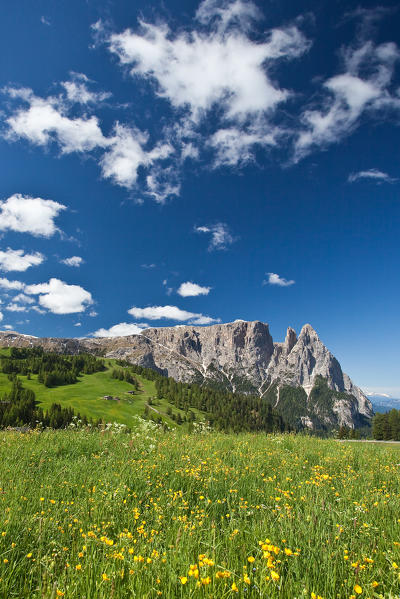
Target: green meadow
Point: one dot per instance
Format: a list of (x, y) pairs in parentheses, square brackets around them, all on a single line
[(151, 514)]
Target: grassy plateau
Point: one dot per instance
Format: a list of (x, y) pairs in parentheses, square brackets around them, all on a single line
[(86, 396), (165, 514)]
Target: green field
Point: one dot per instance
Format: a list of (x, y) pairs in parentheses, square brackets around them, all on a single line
[(87, 396), (97, 515)]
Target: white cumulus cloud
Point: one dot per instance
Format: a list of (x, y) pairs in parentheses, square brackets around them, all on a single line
[(217, 64), (46, 120), (19, 261), (170, 313), (204, 320), (120, 330), (220, 64), (59, 297), (25, 214), (189, 289), (127, 153), (73, 261), (274, 279), (11, 285), (52, 120)]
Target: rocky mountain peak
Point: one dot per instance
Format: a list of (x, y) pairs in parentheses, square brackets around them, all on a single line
[(308, 334), (290, 340)]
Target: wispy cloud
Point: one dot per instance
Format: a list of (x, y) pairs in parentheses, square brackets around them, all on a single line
[(77, 90), (168, 290), (364, 86), (24, 299), (14, 307), (372, 174), (220, 236)]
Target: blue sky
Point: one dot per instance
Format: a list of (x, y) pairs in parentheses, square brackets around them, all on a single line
[(163, 166)]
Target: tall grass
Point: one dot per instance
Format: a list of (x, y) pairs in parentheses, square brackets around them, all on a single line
[(100, 515)]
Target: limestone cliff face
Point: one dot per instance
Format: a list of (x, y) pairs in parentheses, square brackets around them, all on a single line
[(226, 352), (302, 360), (240, 356)]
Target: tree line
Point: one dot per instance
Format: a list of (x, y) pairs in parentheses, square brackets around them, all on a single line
[(19, 408), (226, 410), (386, 427), (52, 369), (123, 374)]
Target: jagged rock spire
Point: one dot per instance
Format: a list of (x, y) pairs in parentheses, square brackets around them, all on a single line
[(290, 340)]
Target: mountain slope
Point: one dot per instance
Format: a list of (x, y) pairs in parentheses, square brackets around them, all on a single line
[(239, 356)]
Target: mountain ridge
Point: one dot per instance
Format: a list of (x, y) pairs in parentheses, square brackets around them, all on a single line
[(240, 356)]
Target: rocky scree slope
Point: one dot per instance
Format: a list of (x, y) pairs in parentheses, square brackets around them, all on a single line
[(242, 357)]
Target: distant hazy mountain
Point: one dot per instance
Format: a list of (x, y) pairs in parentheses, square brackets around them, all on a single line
[(299, 377), (383, 403)]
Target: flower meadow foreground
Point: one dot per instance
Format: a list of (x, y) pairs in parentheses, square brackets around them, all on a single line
[(153, 514)]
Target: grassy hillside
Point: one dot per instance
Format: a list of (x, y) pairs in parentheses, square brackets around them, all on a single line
[(87, 396), (154, 514)]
